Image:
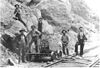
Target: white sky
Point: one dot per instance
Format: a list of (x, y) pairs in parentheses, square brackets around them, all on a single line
[(94, 5)]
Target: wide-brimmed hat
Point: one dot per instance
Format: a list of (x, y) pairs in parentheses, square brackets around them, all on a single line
[(63, 31), (22, 30), (16, 5), (33, 26), (80, 27), (40, 18)]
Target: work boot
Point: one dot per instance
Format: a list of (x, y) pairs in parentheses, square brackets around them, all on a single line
[(63, 55), (77, 56)]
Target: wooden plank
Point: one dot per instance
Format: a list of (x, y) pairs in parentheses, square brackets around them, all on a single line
[(38, 53)]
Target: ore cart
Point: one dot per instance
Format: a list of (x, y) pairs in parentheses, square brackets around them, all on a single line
[(44, 53)]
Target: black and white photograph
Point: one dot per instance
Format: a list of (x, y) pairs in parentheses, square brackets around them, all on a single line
[(49, 34)]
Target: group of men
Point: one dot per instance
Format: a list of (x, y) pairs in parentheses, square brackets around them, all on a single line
[(23, 42), (65, 40), (80, 42), (38, 33)]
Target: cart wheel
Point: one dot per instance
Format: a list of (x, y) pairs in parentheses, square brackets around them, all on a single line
[(53, 55), (60, 54)]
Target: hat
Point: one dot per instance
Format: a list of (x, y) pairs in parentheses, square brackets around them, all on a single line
[(40, 18), (16, 5), (80, 27), (63, 31), (22, 30), (33, 26)]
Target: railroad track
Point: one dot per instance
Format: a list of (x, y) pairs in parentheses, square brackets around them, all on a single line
[(58, 61), (95, 64)]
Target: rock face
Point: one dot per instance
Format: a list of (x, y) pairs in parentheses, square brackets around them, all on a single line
[(55, 10), (6, 55), (57, 14), (47, 27)]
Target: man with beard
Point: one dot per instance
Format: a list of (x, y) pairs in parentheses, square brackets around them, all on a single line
[(65, 41), (81, 40)]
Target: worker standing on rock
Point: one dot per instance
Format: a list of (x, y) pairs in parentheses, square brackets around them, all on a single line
[(22, 46), (65, 41), (81, 39), (40, 26), (18, 15)]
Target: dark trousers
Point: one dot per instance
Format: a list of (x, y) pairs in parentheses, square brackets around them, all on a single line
[(34, 39), (22, 54), (65, 49), (81, 48)]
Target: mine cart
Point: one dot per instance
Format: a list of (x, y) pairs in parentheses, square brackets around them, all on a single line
[(44, 53)]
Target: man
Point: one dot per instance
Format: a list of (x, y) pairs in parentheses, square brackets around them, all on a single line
[(34, 34), (22, 46), (40, 26), (81, 39), (65, 40), (32, 38), (18, 15)]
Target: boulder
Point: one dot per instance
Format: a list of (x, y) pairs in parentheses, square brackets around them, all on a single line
[(55, 10), (7, 57), (47, 28)]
